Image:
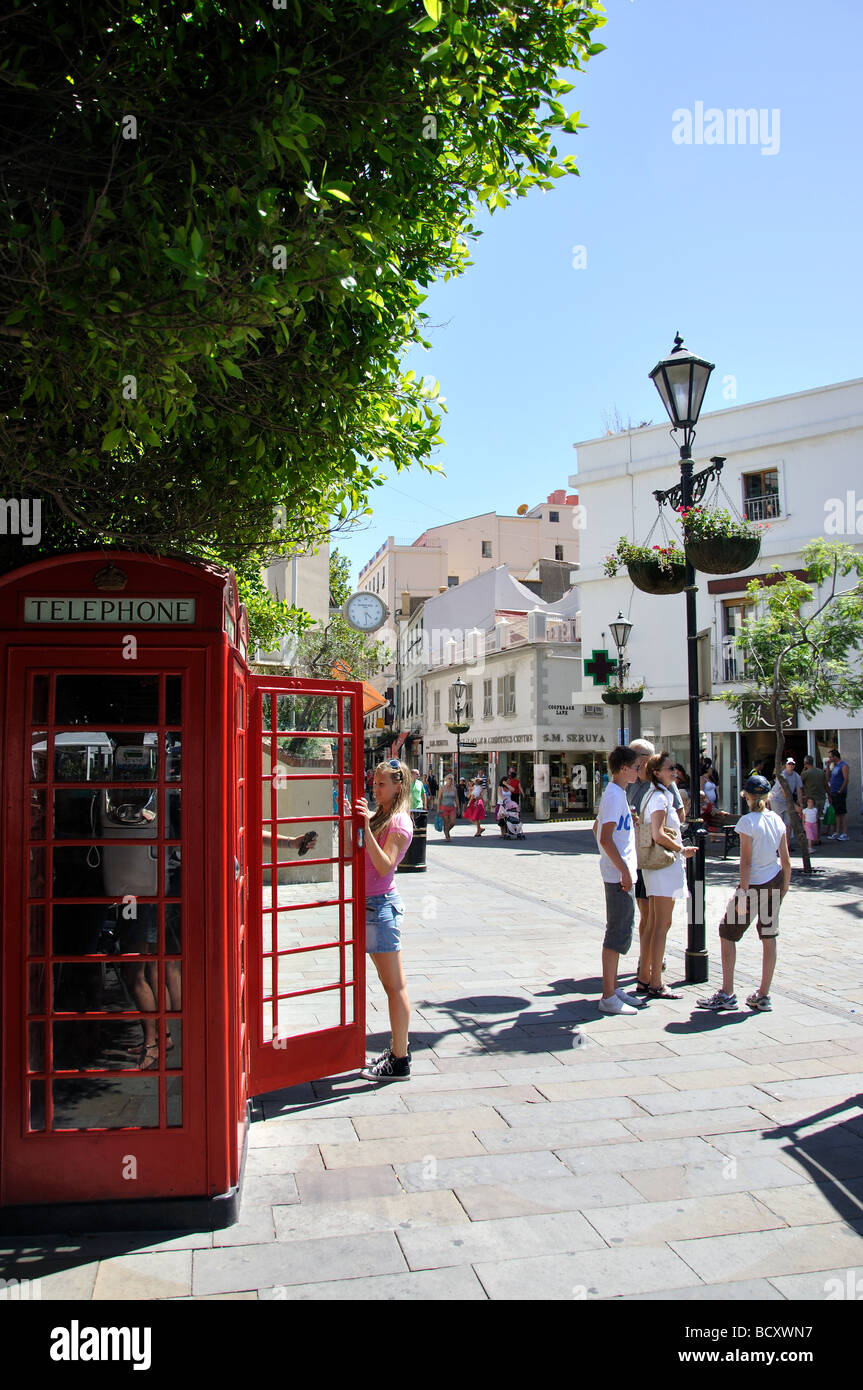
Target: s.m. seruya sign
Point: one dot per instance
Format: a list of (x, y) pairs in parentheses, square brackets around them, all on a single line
[(170, 611)]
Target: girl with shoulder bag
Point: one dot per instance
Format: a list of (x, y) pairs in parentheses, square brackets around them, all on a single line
[(661, 856)]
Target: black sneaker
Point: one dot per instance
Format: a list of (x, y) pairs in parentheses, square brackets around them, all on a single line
[(389, 1068), (387, 1052)]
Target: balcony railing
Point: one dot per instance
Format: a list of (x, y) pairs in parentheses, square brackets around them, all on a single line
[(764, 508), (731, 665)]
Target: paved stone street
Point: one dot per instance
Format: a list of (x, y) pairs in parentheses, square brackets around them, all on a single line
[(541, 1150)]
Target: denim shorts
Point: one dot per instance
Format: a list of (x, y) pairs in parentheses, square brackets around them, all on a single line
[(384, 913)]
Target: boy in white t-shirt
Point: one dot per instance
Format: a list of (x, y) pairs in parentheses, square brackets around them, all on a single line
[(618, 865), (765, 873)]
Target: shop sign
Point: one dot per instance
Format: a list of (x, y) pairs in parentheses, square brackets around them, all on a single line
[(169, 611)]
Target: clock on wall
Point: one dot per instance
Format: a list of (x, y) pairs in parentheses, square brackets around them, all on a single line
[(365, 612)]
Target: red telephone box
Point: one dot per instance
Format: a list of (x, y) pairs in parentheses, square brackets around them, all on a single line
[(183, 906)]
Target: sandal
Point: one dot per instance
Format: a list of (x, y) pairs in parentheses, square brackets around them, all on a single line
[(640, 987), (664, 993), (310, 838), (153, 1063)]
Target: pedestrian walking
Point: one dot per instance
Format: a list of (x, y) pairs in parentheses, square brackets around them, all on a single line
[(615, 837), (765, 874), (664, 885), (514, 786), (476, 806), (510, 818), (433, 787), (502, 793), (388, 832), (810, 821), (448, 804), (462, 795), (779, 802), (839, 794), (419, 799), (635, 794), (815, 785)]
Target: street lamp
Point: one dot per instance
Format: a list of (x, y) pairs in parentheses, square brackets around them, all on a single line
[(459, 690), (681, 379), (620, 630)]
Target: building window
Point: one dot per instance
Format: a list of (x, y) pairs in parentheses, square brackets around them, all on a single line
[(734, 664), (451, 581), (437, 707), (558, 552), (761, 495), (554, 516), (486, 550), (487, 710), (468, 705), (506, 694)]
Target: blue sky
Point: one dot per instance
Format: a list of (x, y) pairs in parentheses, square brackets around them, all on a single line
[(754, 257)]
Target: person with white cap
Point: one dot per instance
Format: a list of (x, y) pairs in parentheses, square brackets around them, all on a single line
[(765, 874), (779, 801)]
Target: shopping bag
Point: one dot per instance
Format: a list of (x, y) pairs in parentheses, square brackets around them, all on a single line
[(830, 815), (438, 821)]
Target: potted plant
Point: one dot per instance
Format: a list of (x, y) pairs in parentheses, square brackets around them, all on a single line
[(655, 569), (616, 696), (717, 542)]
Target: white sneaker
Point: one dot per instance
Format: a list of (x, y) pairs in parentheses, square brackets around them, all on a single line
[(615, 1005), (635, 999), (834, 836), (843, 837)]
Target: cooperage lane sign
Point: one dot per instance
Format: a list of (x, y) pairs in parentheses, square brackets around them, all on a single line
[(170, 611)]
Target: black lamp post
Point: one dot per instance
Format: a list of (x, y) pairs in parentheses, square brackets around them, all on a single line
[(620, 630), (681, 379), (459, 690)]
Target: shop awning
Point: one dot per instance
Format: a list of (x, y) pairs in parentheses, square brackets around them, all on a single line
[(372, 699), (400, 742)]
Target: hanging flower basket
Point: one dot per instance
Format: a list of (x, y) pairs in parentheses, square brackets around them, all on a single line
[(458, 728), (717, 542), (622, 697), (654, 569), (653, 578)]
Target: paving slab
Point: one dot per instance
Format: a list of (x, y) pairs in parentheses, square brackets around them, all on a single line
[(239, 1267), (460, 1172), (717, 1175), (144, 1277), (505, 1238), (364, 1216), (535, 1197), (469, 1117), (617, 1158), (654, 1222), (454, 1284), (743, 1291), (795, 1250), (823, 1285), (805, 1204), (524, 1138), (347, 1184), (585, 1276), (686, 1123)]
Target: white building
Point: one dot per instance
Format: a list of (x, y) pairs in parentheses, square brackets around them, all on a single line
[(793, 462), (520, 660)]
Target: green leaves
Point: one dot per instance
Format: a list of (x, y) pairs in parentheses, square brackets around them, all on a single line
[(211, 319)]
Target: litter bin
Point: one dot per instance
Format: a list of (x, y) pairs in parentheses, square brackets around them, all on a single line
[(414, 861)]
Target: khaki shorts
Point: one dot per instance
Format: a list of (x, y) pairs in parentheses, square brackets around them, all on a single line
[(763, 899)]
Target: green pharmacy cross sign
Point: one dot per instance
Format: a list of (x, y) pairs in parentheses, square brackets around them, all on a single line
[(600, 666)]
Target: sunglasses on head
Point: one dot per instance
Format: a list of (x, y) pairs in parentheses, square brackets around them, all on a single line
[(394, 764)]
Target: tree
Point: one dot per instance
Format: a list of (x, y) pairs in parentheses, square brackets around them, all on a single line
[(220, 221), (802, 649)]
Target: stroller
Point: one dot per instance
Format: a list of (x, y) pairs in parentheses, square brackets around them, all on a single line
[(509, 819)]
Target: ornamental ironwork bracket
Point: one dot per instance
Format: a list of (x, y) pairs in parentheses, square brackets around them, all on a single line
[(698, 486)]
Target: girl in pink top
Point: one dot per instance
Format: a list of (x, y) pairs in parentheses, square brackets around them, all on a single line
[(388, 832)]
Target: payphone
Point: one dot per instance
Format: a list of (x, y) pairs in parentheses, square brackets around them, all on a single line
[(182, 912)]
